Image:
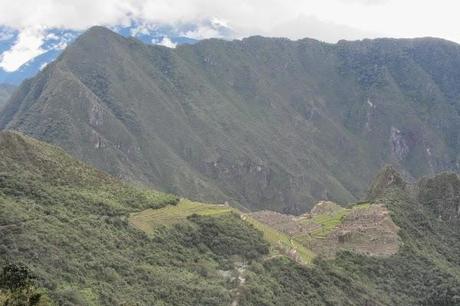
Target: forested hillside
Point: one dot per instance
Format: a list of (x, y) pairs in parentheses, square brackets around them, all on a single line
[(259, 122), (88, 239)]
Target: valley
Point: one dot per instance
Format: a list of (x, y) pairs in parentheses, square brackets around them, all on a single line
[(262, 123), (254, 171)]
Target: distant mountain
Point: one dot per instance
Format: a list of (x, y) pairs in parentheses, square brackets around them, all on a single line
[(262, 122), (6, 91), (55, 40), (90, 239)]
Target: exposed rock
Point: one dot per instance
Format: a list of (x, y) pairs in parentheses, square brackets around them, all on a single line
[(365, 229), (398, 144), (285, 223), (325, 207)]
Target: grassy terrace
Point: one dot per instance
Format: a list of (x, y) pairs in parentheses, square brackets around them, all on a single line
[(150, 219), (329, 221), (279, 240)]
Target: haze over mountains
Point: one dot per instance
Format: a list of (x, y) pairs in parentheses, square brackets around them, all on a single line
[(6, 91), (261, 122)]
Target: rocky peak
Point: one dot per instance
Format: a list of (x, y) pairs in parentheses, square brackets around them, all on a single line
[(388, 177)]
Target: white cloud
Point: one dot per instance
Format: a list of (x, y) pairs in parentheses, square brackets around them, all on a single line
[(201, 32), (42, 66), (167, 42), (366, 2), (144, 29), (328, 20), (312, 27), (27, 46)]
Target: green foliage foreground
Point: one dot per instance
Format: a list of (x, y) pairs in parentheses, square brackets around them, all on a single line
[(68, 223)]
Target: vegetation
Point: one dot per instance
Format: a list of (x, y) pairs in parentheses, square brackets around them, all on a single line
[(69, 224), (328, 222), (150, 219), (424, 272), (67, 239), (17, 287), (262, 123), (281, 243), (227, 236)]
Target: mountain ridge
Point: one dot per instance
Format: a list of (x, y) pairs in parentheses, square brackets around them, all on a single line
[(261, 123), (53, 42)]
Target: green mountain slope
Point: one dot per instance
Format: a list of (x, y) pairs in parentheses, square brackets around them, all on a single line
[(261, 123), (5, 93), (69, 224), (77, 229)]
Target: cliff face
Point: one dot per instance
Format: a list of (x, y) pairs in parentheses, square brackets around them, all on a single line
[(261, 123)]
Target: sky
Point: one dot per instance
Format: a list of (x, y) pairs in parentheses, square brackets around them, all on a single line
[(327, 20)]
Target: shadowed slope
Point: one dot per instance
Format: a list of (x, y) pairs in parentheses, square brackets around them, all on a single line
[(263, 123), (5, 92)]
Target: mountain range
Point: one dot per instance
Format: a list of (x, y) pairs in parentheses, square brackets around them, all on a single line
[(262, 123), (54, 41), (261, 171)]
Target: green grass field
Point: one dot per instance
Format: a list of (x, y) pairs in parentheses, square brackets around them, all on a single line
[(328, 222), (150, 219)]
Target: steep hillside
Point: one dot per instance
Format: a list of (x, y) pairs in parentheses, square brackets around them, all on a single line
[(69, 224), (262, 123), (91, 240), (5, 92), (424, 271)]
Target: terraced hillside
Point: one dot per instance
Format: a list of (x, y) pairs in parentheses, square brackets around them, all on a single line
[(363, 228), (89, 239), (262, 123), (150, 219)]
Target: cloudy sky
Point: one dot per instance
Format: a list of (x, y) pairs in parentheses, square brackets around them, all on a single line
[(328, 20)]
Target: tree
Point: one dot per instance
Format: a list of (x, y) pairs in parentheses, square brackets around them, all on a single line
[(15, 276)]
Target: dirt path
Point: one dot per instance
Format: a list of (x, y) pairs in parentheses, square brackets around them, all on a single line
[(241, 281)]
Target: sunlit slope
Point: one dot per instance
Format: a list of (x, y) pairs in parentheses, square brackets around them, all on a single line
[(151, 219)]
